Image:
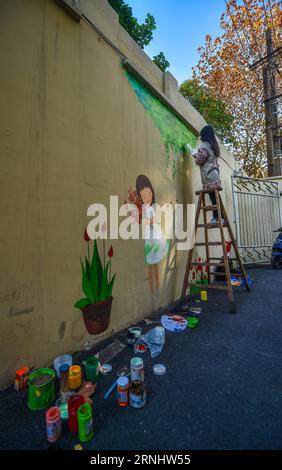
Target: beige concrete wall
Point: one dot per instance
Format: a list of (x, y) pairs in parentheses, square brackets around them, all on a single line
[(72, 132)]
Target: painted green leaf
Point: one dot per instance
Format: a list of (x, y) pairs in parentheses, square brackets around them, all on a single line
[(86, 286), (148, 249), (82, 303), (88, 269), (96, 273), (111, 286), (105, 284), (174, 134)]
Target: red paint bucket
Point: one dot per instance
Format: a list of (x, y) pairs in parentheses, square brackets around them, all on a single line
[(73, 405)]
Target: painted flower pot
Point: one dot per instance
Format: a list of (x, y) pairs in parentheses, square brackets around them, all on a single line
[(194, 289), (97, 316)]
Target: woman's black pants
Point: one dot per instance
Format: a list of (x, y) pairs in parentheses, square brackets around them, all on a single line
[(213, 201)]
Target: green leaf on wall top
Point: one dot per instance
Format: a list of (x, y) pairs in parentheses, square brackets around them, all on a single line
[(175, 135)]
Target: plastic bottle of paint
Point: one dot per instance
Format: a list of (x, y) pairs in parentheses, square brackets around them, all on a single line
[(137, 394), (64, 378), (73, 405), (85, 422), (123, 391), (137, 369), (53, 424)]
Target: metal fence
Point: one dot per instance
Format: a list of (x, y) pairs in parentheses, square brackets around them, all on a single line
[(257, 215)]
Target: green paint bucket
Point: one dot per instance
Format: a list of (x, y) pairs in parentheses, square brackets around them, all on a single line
[(92, 369), (41, 392)]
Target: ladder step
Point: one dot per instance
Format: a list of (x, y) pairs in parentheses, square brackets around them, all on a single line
[(206, 191), (208, 286), (224, 274), (211, 225), (209, 243), (204, 264), (213, 258), (210, 208)]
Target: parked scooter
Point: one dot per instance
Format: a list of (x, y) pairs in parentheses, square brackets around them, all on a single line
[(276, 254)]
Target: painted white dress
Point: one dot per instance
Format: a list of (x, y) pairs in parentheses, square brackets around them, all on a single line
[(156, 245)]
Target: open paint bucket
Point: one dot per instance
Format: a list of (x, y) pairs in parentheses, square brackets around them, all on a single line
[(41, 392)]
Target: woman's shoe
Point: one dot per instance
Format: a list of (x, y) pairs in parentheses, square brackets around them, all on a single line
[(216, 221)]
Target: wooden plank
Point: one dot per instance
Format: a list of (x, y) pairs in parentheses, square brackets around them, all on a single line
[(208, 286), (208, 226), (210, 244), (210, 208), (213, 273), (204, 264)]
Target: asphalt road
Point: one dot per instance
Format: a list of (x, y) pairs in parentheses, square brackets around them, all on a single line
[(222, 389)]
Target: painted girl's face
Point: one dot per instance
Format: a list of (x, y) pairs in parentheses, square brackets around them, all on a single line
[(146, 196)]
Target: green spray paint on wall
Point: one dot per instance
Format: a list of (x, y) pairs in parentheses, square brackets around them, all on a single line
[(175, 135)]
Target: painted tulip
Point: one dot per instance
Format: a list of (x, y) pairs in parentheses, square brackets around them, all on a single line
[(86, 236), (110, 252)]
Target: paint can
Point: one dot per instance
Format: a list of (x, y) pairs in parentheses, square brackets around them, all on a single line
[(204, 295), (137, 394), (75, 377), (136, 330), (53, 424), (85, 422), (137, 369), (130, 339), (73, 404), (92, 369)]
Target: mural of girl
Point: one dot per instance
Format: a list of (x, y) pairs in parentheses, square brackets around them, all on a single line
[(156, 246)]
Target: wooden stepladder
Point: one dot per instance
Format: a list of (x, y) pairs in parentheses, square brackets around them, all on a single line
[(211, 261)]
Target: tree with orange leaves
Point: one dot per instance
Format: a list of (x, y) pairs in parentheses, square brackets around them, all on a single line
[(224, 68)]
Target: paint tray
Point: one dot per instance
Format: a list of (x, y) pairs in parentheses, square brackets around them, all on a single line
[(110, 351)]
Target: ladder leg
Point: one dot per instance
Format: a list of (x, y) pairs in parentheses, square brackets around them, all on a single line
[(226, 263), (206, 237), (190, 253), (241, 266)]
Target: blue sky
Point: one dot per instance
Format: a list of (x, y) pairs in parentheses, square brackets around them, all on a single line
[(181, 28)]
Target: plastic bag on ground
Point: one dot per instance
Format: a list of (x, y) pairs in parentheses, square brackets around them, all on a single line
[(154, 339)]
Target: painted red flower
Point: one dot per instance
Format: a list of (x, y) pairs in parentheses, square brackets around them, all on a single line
[(86, 236), (110, 252)]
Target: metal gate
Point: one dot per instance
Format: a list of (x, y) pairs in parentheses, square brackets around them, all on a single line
[(257, 214)]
